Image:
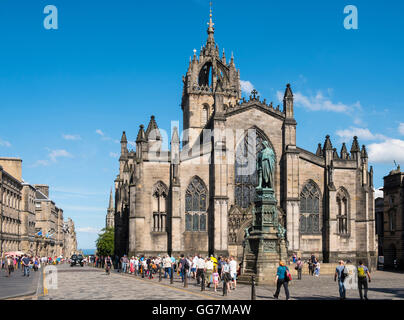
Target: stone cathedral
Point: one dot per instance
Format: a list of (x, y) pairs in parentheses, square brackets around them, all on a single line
[(187, 201)]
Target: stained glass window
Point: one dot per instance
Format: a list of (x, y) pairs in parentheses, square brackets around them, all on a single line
[(309, 209), (342, 216), (195, 206), (245, 168), (188, 222), (159, 207)]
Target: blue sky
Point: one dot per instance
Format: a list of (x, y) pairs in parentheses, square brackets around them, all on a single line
[(66, 95)]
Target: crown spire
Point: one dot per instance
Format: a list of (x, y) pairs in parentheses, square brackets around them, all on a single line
[(211, 29)]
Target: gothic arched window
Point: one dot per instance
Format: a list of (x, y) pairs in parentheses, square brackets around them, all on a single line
[(159, 207), (205, 114), (195, 206), (392, 220), (310, 209), (343, 212), (245, 168)]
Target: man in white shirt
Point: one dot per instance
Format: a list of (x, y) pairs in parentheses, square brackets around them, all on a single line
[(233, 271), (193, 266), (200, 265)]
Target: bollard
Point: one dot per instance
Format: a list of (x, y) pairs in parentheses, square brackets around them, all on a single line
[(224, 285), (159, 273), (172, 275), (253, 296), (185, 279)]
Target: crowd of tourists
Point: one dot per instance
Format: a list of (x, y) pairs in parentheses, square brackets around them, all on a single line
[(25, 263), (208, 272)]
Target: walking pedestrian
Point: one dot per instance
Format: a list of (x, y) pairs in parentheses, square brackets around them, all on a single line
[(209, 271), (215, 277), (200, 269), (282, 279), (299, 267), (233, 272), (226, 276), (10, 265), (317, 268), (341, 273), (132, 265), (108, 264), (363, 271), (25, 262)]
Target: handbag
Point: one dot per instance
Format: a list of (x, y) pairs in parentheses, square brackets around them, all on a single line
[(288, 276)]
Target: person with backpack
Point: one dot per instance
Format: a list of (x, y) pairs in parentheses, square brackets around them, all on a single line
[(184, 267), (299, 267), (282, 279), (341, 273), (363, 271)]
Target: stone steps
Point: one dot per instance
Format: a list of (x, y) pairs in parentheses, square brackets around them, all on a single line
[(325, 268)]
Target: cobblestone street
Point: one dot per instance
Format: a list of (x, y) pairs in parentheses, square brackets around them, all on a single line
[(91, 283)]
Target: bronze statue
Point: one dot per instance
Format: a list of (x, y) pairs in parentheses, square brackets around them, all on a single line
[(266, 167)]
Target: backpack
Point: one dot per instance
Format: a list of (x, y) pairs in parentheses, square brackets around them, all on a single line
[(361, 272)]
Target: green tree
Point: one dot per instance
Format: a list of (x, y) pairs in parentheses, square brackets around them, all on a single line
[(105, 242)]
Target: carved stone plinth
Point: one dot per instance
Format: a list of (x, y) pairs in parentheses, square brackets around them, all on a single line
[(265, 245)]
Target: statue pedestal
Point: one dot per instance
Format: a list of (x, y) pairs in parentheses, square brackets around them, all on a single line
[(265, 245)]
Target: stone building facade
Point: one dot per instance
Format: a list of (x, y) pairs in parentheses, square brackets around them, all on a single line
[(10, 204), (28, 218), (30, 221), (198, 198), (393, 227)]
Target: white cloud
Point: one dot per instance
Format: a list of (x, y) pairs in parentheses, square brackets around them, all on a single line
[(71, 137), (104, 137), (361, 133), (88, 230), (320, 103), (401, 128), (4, 143), (246, 86), (54, 154), (379, 193), (387, 151), (40, 163), (114, 154)]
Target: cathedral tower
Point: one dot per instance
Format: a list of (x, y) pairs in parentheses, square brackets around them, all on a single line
[(207, 75)]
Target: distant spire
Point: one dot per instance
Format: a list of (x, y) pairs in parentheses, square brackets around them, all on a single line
[(111, 201)]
